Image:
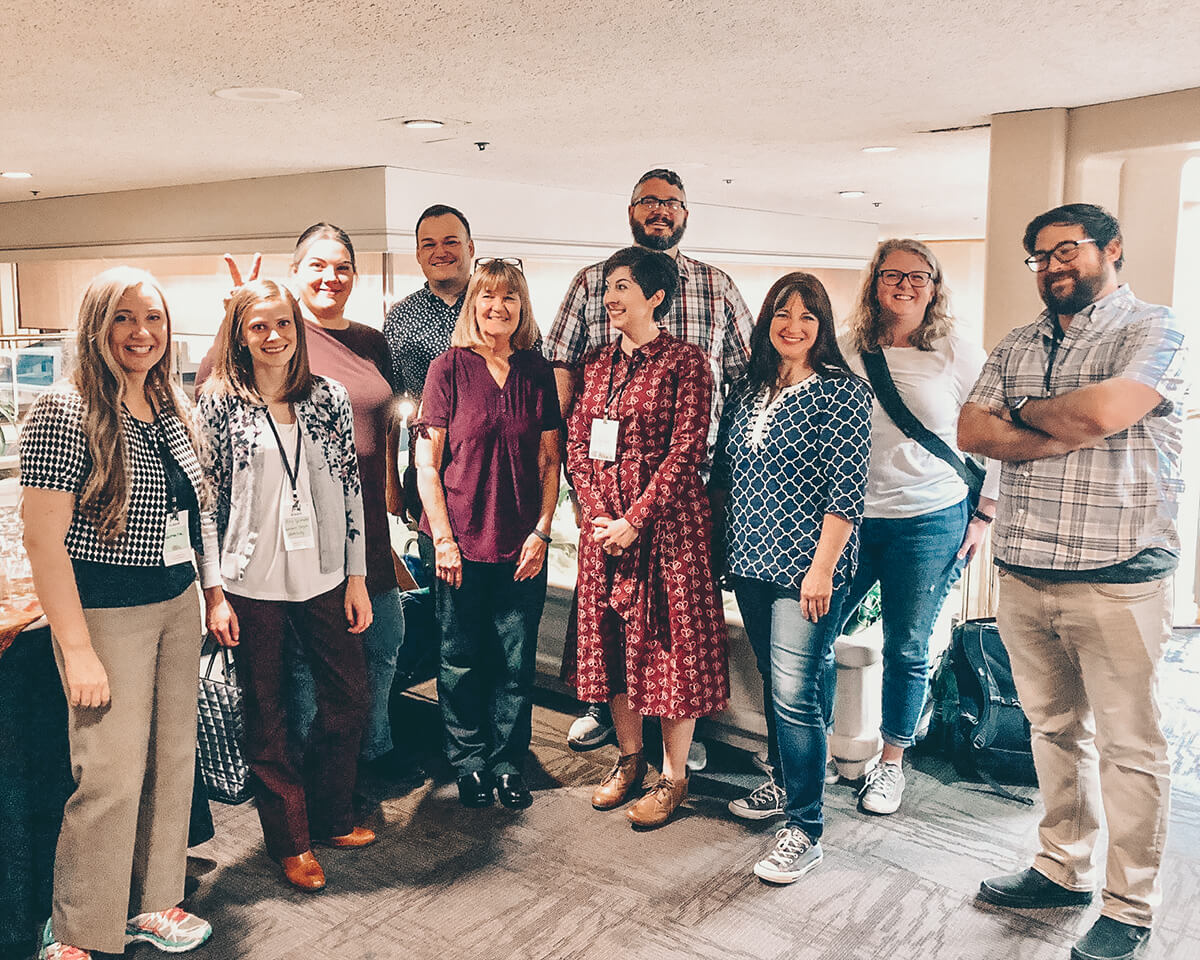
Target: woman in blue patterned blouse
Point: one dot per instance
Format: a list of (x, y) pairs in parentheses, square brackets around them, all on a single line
[(792, 466)]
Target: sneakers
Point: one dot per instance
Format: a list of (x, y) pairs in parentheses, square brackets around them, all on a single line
[(1030, 890), (882, 789), (1111, 939), (766, 801), (697, 758), (791, 858), (592, 729), (832, 775), (172, 931), (51, 949)]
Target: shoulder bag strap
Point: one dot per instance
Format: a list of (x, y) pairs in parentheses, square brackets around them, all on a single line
[(894, 406)]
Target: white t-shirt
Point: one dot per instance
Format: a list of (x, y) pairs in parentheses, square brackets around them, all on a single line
[(905, 479), (273, 572)]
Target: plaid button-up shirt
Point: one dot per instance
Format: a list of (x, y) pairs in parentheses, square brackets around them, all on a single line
[(1101, 505), (707, 311)]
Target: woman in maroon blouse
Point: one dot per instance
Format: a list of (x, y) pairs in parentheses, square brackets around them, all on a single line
[(487, 471), (652, 636)]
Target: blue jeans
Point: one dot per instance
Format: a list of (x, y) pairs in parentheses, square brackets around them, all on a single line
[(381, 644), (795, 652), (914, 560)]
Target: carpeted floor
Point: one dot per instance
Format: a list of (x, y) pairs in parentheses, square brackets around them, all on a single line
[(563, 881)]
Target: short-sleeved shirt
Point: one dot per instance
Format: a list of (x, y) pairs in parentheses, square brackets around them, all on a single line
[(490, 470), (1104, 504), (707, 310), (787, 463), (417, 330)]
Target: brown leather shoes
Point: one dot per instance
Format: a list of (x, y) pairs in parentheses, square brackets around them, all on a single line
[(623, 779), (303, 872), (358, 837), (656, 807)]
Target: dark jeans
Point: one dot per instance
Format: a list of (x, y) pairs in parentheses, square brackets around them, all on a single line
[(914, 560), (489, 629), (796, 652), (318, 795)]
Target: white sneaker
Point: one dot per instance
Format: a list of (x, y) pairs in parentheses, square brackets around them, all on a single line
[(592, 729), (697, 757), (831, 771), (172, 931), (791, 858), (766, 801), (882, 789)]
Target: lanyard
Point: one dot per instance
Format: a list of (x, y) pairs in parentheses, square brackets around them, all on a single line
[(634, 363), (1052, 354), (293, 473), (153, 435)]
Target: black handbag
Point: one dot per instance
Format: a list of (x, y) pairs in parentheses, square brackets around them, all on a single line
[(970, 471), (221, 729)]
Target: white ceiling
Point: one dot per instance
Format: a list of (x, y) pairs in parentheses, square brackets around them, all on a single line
[(777, 97)]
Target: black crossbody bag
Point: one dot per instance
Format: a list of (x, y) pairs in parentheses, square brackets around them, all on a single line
[(969, 470)]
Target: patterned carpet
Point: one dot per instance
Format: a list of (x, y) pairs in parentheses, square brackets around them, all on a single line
[(562, 881)]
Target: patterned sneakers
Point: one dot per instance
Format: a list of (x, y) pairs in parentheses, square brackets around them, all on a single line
[(172, 931), (793, 855), (53, 950), (882, 789)]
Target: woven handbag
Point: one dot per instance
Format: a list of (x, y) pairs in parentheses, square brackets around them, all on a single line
[(221, 729)]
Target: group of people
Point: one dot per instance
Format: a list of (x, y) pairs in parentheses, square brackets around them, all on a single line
[(701, 445)]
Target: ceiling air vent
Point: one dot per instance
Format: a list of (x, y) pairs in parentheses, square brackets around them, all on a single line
[(962, 129)]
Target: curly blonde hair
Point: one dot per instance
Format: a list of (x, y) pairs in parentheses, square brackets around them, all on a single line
[(867, 323)]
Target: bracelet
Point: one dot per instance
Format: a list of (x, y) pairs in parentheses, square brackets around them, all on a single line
[(544, 537), (980, 515)]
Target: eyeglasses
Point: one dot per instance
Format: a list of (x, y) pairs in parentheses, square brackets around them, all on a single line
[(916, 278), (509, 261), (653, 203), (1063, 252)]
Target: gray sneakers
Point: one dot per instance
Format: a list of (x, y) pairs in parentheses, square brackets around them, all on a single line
[(766, 801), (793, 855), (882, 789)]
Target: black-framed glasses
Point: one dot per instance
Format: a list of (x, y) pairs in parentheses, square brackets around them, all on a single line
[(509, 261), (916, 278), (650, 204), (1063, 252)]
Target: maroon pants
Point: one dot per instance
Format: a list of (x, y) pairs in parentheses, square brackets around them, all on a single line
[(316, 800)]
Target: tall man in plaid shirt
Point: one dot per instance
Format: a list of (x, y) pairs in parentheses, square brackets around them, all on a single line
[(707, 311), (1085, 409)]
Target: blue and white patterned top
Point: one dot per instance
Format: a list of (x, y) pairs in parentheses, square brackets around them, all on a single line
[(786, 464)]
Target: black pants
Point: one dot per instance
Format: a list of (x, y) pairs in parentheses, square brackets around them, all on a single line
[(489, 629)]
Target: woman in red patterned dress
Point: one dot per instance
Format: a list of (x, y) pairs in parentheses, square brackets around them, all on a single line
[(652, 636)]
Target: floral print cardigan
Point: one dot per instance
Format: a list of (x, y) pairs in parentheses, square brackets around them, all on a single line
[(231, 457)]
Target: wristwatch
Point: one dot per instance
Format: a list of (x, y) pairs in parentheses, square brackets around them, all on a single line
[(1014, 411)]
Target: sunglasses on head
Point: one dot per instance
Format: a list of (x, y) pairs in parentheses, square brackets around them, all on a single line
[(510, 261)]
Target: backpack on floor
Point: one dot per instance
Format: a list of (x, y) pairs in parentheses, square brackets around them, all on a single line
[(976, 718)]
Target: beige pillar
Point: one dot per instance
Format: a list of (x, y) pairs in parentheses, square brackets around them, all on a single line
[(1151, 199), (1026, 174)]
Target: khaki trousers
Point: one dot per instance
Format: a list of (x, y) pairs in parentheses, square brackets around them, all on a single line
[(1085, 661), (123, 845)]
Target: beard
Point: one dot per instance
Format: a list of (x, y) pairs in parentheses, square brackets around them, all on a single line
[(1084, 292), (651, 242)]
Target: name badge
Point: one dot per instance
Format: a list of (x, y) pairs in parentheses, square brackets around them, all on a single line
[(298, 528), (604, 440), (177, 545)]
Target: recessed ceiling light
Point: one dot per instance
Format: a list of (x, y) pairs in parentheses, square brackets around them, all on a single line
[(878, 149), (258, 94), (416, 124), (16, 174), (851, 194)]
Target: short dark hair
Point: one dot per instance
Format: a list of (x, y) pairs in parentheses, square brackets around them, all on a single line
[(323, 231), (651, 271), (1098, 224), (659, 173), (440, 210)]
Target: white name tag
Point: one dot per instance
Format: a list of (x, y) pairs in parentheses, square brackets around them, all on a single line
[(604, 440), (177, 545), (297, 528)]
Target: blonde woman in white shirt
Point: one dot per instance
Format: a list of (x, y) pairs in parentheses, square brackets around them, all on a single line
[(918, 530)]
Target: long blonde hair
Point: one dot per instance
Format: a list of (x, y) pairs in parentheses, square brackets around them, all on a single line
[(866, 322), (489, 276), (100, 380)]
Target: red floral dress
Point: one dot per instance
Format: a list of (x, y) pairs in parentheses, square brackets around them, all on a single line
[(670, 656)]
